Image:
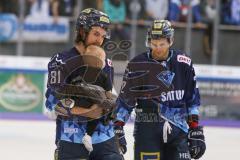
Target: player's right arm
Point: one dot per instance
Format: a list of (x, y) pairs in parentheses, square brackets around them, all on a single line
[(51, 100), (54, 105)]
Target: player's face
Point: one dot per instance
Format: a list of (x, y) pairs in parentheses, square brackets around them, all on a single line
[(96, 36), (160, 48)]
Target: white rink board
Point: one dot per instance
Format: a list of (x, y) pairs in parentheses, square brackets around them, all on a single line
[(34, 140)]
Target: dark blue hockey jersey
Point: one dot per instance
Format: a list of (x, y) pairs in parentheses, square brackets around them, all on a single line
[(175, 103), (73, 129)]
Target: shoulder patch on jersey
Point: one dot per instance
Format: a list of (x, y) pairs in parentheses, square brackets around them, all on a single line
[(184, 59), (109, 62)]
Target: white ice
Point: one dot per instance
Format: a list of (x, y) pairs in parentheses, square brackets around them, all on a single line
[(34, 140)]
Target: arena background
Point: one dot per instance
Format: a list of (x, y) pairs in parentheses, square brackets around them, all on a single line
[(28, 40)]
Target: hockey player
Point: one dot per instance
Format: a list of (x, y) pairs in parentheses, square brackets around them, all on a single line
[(91, 29), (167, 123)]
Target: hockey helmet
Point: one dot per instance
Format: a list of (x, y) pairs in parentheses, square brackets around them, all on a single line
[(91, 17), (159, 29)]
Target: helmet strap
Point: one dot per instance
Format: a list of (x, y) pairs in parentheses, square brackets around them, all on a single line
[(171, 41)]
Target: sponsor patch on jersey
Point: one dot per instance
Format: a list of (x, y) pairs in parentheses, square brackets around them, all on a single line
[(70, 130), (109, 62), (184, 59), (172, 95)]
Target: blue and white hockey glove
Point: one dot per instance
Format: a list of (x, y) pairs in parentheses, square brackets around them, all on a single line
[(196, 142), (120, 135)]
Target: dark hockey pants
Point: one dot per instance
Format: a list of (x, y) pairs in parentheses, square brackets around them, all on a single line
[(107, 150), (149, 142)]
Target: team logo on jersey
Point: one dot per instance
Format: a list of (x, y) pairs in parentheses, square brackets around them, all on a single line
[(166, 77), (184, 59)]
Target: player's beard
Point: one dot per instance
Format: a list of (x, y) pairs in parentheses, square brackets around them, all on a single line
[(160, 54)]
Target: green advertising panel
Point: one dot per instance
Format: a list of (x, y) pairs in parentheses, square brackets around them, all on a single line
[(21, 91)]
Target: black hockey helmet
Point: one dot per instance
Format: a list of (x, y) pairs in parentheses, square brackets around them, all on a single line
[(159, 29), (91, 17)]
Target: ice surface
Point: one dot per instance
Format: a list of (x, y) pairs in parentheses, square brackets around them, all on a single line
[(34, 140)]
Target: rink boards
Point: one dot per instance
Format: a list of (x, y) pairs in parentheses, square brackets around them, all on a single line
[(23, 81)]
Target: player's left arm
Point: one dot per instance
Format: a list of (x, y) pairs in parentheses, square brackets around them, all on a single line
[(54, 105), (125, 105), (122, 113), (196, 137)]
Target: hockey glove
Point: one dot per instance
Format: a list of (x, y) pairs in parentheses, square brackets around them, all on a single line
[(120, 135), (196, 141)]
